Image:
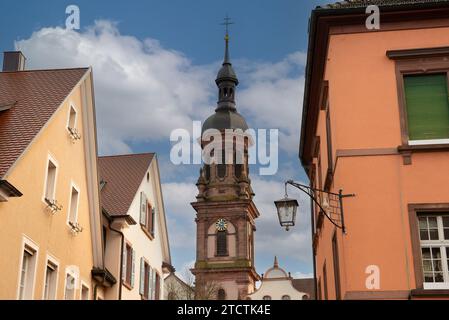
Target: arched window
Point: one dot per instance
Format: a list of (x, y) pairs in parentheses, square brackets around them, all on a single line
[(207, 171), (222, 243), (266, 298), (286, 297), (238, 164), (221, 295), (221, 168)]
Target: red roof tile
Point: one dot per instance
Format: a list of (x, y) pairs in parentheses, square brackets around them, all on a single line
[(123, 176), (35, 96)]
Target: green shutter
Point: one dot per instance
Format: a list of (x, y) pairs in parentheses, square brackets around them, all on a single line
[(427, 106)]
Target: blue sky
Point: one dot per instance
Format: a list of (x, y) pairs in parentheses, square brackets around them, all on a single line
[(154, 66)]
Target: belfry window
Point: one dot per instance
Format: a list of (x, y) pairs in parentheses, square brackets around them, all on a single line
[(221, 167), (222, 244)]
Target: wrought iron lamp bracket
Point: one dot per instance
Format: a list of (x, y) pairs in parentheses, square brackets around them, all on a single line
[(337, 208)]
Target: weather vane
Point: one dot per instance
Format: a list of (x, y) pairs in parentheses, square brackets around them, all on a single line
[(227, 22)]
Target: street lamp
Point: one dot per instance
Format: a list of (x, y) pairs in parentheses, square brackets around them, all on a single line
[(331, 206), (287, 211)]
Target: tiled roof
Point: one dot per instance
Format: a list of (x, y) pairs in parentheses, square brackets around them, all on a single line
[(33, 97), (364, 3), (305, 285), (123, 175)]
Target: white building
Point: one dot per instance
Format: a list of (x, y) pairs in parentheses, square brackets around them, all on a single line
[(177, 289), (276, 284), (135, 229)]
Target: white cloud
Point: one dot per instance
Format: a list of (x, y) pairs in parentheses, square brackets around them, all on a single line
[(273, 97), (143, 90)]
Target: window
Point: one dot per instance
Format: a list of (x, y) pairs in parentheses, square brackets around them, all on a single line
[(330, 163), (434, 241), (325, 282), (320, 296), (128, 266), (145, 279), (147, 215), (427, 107), (70, 286), (157, 286), (50, 183), (239, 160), (73, 208), (266, 298), (336, 266), (27, 272), (221, 167), (72, 118), (222, 243), (85, 294), (221, 295), (286, 297), (51, 278), (207, 171)]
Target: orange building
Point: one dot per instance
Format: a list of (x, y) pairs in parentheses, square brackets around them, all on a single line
[(376, 123)]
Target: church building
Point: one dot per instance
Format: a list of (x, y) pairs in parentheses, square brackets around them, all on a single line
[(225, 210)]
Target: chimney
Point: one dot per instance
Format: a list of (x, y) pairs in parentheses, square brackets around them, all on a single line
[(13, 61)]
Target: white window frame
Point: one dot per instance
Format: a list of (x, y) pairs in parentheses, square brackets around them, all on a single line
[(69, 207), (69, 271), (27, 242), (84, 285), (444, 259), (72, 106), (55, 262), (51, 159)]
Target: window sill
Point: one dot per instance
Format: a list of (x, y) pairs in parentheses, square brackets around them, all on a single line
[(222, 255), (426, 293), (407, 150), (148, 234), (424, 147), (127, 285)]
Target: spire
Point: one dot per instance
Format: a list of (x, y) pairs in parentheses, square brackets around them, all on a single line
[(226, 57), (226, 72), (227, 22), (276, 264)]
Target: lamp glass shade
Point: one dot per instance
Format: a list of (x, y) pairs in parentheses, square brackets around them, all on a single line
[(286, 209)]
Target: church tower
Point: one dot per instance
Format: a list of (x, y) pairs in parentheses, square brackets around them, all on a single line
[(226, 213)]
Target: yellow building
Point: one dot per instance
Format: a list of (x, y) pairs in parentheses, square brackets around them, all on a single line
[(51, 243)]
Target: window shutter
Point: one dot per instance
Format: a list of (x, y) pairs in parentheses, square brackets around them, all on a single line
[(153, 287), (150, 284), (427, 106), (153, 219), (143, 208), (142, 276), (133, 262), (124, 263)]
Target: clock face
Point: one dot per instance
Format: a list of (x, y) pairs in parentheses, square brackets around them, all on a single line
[(221, 225)]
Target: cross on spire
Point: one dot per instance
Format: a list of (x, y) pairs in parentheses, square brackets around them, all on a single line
[(227, 22)]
